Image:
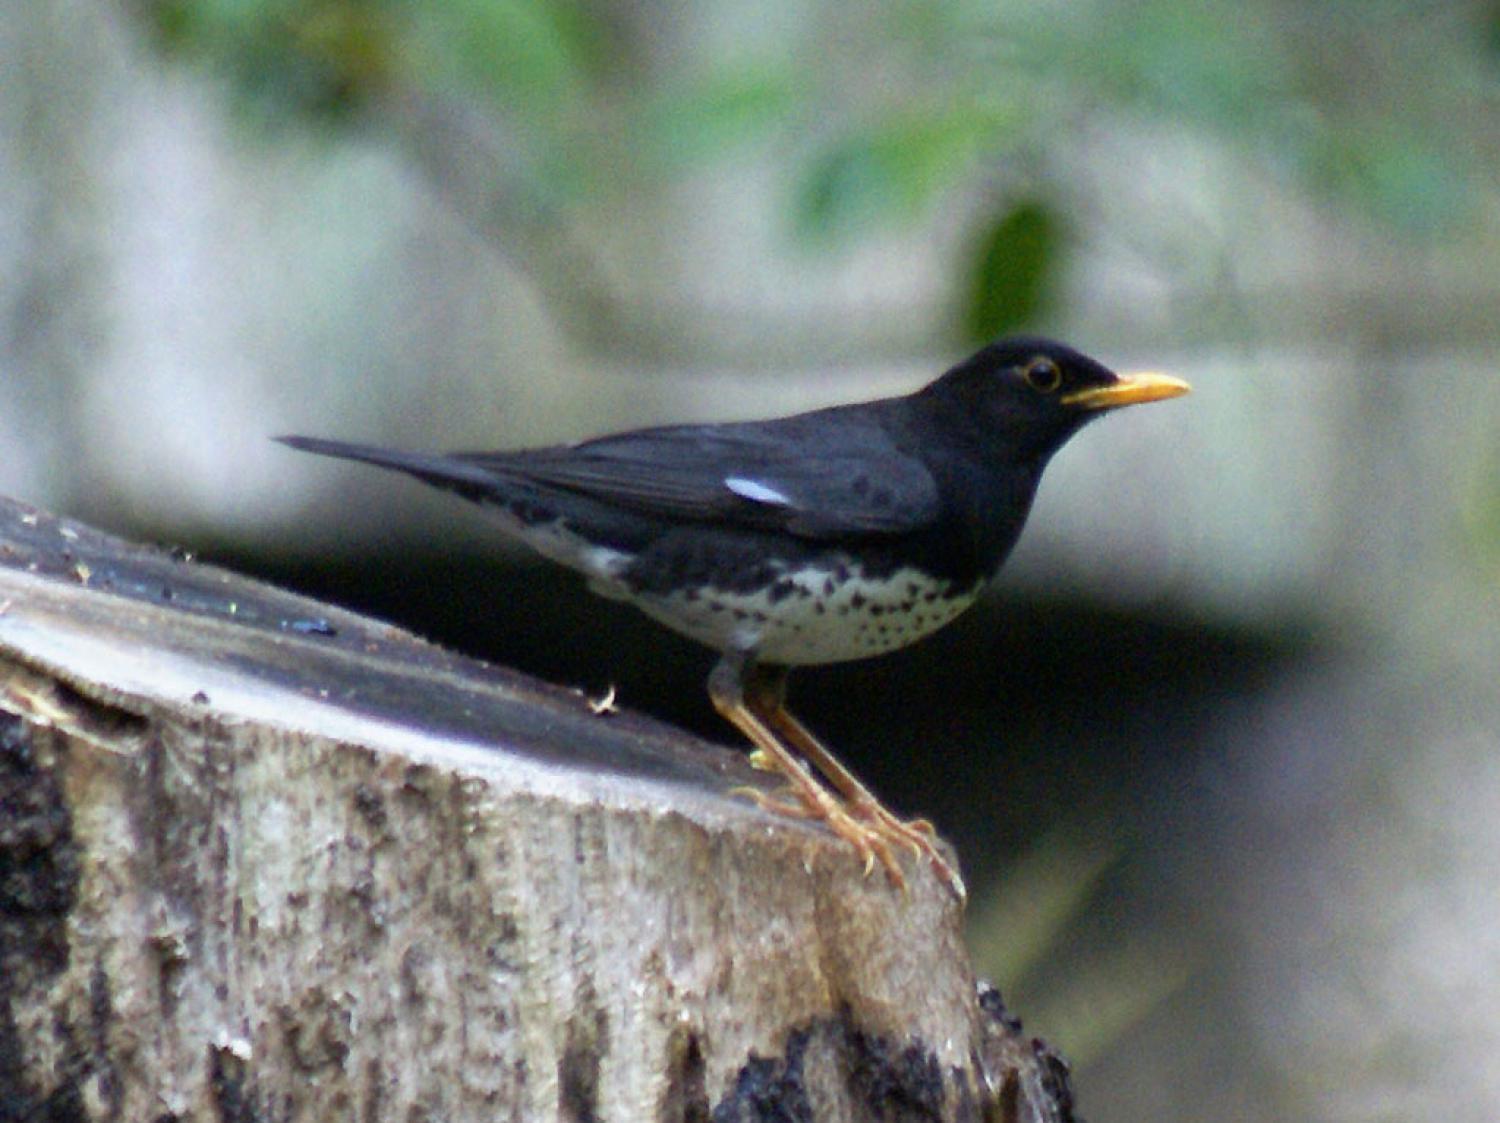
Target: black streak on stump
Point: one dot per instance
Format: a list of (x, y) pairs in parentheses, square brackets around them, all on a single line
[(38, 889), (899, 1084)]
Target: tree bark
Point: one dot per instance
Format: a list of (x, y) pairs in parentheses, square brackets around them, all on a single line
[(262, 859)]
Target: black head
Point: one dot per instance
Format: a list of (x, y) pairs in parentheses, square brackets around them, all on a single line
[(1027, 395)]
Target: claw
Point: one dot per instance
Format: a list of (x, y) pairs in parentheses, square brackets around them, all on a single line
[(870, 829), (918, 836), (869, 833), (793, 807), (866, 825)]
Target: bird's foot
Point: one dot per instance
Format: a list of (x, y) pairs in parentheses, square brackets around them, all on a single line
[(822, 807), (917, 835), (874, 832), (792, 805)]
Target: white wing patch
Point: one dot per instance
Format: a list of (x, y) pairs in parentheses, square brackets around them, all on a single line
[(756, 492)]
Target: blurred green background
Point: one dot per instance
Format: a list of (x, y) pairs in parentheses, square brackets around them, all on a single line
[(1220, 751)]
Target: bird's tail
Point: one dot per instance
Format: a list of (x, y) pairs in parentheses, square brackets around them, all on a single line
[(450, 472)]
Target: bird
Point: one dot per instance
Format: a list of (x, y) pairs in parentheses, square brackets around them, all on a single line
[(822, 537)]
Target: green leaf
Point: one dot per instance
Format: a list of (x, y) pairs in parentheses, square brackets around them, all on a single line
[(730, 107), (1014, 265), (531, 55), (892, 170)]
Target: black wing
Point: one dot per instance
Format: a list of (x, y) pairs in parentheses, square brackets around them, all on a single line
[(817, 475)]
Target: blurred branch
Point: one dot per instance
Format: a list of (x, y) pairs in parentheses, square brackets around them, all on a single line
[(463, 155)]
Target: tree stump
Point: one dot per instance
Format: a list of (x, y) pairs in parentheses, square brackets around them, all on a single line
[(263, 859)]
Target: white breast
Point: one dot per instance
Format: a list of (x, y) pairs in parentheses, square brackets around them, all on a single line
[(816, 615)]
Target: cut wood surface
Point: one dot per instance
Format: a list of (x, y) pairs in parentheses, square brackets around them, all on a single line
[(263, 859)]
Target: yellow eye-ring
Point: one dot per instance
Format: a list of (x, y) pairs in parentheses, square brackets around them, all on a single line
[(1043, 375)]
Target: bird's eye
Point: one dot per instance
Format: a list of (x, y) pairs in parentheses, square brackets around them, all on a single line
[(1043, 375)]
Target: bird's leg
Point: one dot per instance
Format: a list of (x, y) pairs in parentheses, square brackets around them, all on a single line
[(753, 698), (860, 802), (738, 694)]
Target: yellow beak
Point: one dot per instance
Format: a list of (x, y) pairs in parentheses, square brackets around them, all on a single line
[(1128, 390)]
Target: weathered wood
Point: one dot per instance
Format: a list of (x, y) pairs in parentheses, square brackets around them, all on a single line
[(263, 859)]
